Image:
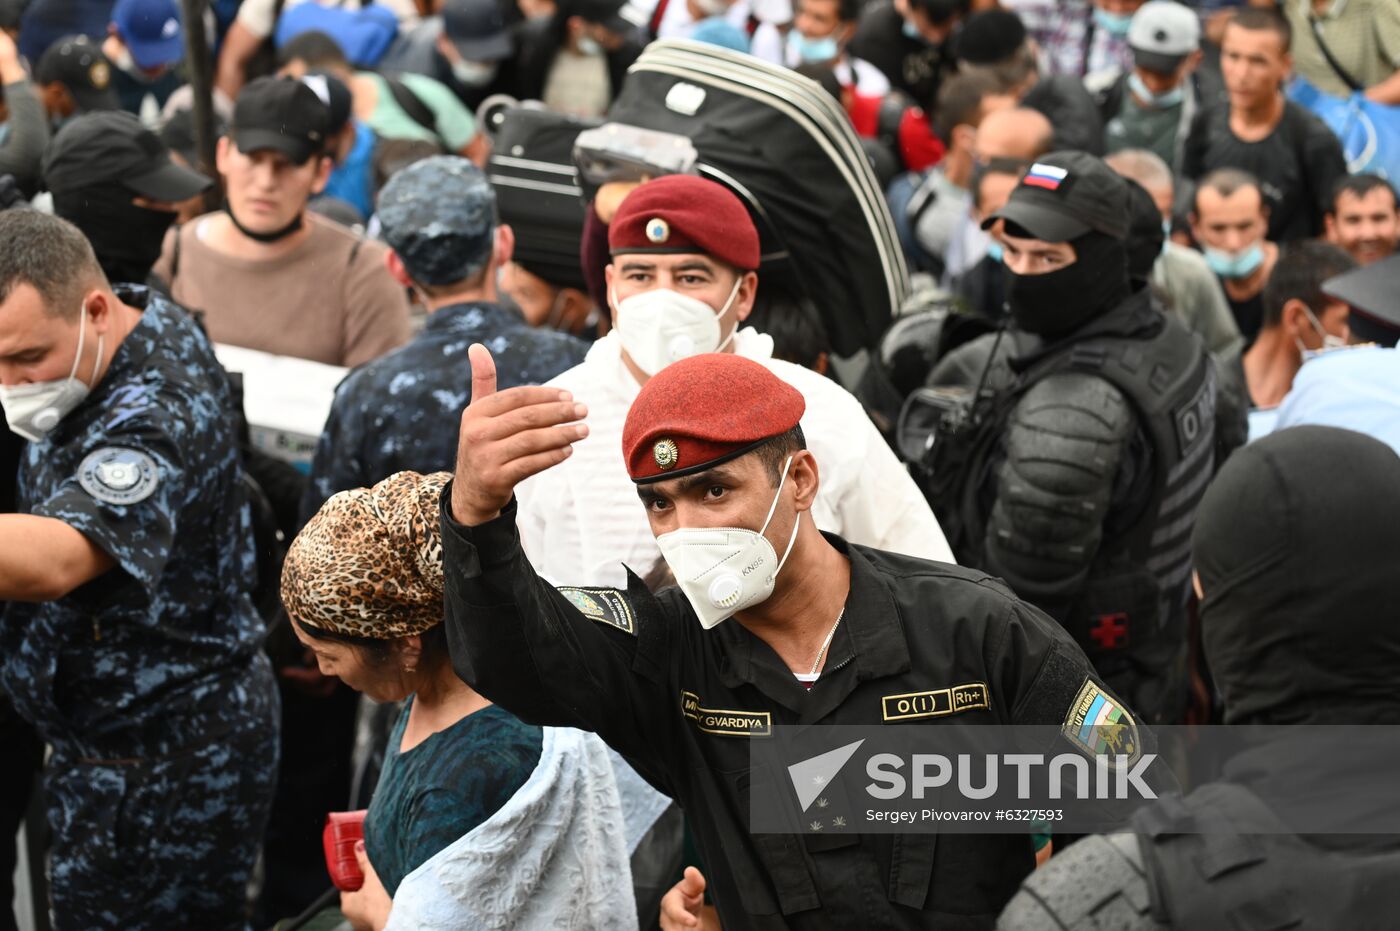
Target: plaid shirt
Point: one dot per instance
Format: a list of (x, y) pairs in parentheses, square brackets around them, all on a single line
[(1069, 42)]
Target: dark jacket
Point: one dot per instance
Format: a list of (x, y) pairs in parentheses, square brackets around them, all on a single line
[(539, 42), (640, 671), (1071, 110)]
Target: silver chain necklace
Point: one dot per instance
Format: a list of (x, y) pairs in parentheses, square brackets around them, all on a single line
[(821, 654)]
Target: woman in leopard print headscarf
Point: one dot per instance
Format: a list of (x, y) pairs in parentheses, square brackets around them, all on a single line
[(363, 586)]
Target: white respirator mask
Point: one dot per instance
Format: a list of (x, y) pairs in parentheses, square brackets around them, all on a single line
[(660, 326), (32, 411), (724, 570)]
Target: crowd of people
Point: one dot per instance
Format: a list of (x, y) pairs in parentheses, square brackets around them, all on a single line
[(1131, 439)]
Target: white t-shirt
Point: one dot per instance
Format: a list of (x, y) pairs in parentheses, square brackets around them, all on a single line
[(580, 520)]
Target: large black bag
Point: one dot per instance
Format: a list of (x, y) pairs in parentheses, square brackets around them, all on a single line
[(788, 150), (537, 189)]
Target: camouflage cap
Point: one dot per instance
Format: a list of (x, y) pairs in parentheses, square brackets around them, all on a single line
[(439, 216)]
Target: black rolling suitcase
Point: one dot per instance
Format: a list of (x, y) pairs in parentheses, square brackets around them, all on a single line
[(537, 190), (787, 149)]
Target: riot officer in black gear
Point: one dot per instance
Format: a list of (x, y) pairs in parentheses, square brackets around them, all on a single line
[(1073, 464), (1295, 549)]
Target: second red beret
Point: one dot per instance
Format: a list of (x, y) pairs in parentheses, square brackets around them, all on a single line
[(684, 213)]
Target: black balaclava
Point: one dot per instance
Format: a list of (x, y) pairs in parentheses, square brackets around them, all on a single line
[(1059, 302), (1145, 235), (1297, 543), (126, 238)]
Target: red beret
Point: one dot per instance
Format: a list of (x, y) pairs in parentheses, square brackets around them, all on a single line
[(683, 213), (699, 412)]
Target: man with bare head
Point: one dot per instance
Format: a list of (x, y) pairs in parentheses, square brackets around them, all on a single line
[(1295, 157), (1016, 135), (1230, 219), (1017, 132), (1180, 276)]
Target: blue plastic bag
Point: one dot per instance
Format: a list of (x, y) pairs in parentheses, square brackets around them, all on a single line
[(1370, 131)]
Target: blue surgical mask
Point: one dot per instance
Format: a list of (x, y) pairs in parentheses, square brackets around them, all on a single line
[(995, 251), (911, 31), (1235, 264), (1166, 235), (1115, 24), (1171, 98), (813, 51), (587, 45)]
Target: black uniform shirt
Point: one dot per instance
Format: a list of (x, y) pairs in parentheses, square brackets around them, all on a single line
[(629, 666)]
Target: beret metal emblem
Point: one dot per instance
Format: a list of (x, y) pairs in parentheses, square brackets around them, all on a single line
[(666, 454), (658, 230)]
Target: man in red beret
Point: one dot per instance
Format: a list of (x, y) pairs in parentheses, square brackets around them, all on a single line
[(682, 282), (772, 622)]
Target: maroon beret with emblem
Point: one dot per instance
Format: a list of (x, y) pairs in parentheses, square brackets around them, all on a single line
[(683, 213), (699, 412)]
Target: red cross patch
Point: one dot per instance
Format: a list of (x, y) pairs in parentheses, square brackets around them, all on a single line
[(1110, 631)]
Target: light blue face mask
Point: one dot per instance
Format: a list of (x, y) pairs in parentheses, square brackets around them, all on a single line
[(1166, 235), (1115, 24), (813, 51), (911, 31), (1171, 98), (589, 46), (1235, 264), (1329, 341), (995, 251)]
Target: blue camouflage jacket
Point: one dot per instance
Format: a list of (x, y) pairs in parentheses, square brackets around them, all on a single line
[(157, 654), (401, 411)]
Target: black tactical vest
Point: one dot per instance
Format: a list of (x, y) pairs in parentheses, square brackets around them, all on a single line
[(1257, 877), (1131, 616)]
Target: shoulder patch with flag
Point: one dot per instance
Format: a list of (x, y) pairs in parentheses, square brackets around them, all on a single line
[(1097, 724), (1046, 176), (604, 605)]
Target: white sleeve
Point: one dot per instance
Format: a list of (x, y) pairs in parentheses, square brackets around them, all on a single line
[(256, 16), (875, 501), (530, 510), (883, 508)]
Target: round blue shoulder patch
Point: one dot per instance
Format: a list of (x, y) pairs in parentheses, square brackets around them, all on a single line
[(119, 475)]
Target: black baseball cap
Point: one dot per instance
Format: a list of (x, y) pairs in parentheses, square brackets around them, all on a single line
[(78, 64), (98, 148), (1064, 195), (179, 137), (989, 37), (1370, 291), (335, 95), (605, 13), (477, 29), (11, 12), (281, 114)]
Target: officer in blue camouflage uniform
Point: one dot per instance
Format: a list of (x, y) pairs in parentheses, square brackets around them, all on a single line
[(439, 218), (130, 641)]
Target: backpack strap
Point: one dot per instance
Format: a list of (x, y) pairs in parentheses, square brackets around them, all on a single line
[(175, 258), (1336, 66), (412, 104)]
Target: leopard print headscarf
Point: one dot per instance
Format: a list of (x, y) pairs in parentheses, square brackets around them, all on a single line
[(369, 564)]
